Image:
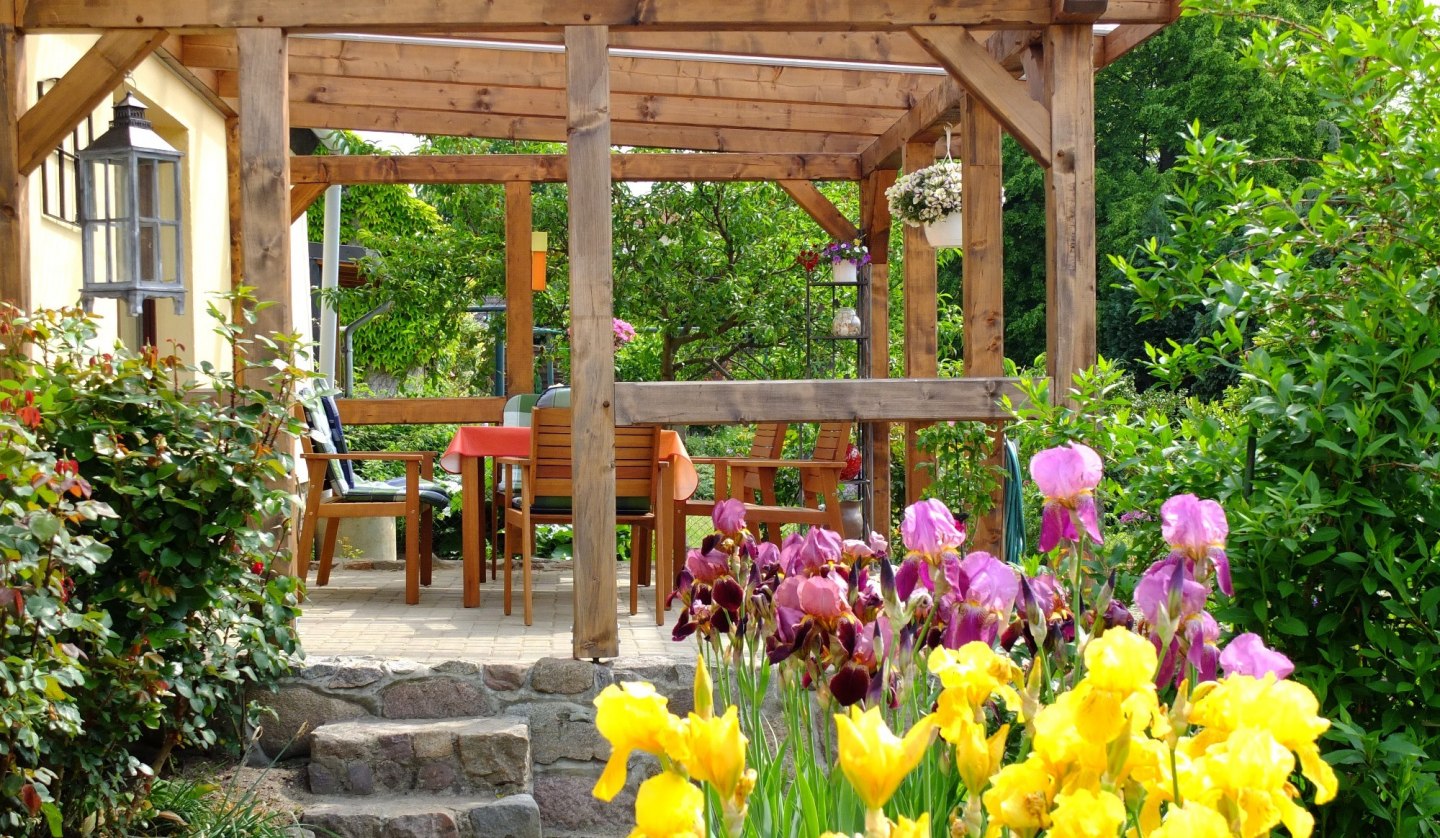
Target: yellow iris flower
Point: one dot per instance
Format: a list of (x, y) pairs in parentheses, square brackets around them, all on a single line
[(669, 806), (1192, 821), (1019, 797), (1121, 662), (974, 672), (1246, 777), (875, 760), (713, 751), (633, 717), (976, 757), (1087, 814), (906, 828)]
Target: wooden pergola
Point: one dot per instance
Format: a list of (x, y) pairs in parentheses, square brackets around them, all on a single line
[(791, 91)]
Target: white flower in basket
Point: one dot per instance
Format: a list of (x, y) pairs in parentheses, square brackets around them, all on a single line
[(930, 197)]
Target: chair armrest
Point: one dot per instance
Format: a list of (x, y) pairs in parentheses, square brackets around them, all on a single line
[(762, 462)]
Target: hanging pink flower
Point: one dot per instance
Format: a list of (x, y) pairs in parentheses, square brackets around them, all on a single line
[(929, 528), (1248, 655), (1067, 477), (1196, 529)]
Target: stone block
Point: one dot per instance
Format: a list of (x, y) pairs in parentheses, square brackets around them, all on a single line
[(515, 816), (564, 731), (498, 757), (299, 712), (562, 676), (462, 756), (505, 676), (433, 698)]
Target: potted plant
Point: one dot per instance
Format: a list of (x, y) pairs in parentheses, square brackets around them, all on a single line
[(930, 197), (846, 258)]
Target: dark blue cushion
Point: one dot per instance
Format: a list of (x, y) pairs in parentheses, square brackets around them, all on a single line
[(337, 438), (561, 506), (432, 494)]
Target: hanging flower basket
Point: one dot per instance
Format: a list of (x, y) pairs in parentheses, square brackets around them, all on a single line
[(947, 231), (930, 196), (846, 259)]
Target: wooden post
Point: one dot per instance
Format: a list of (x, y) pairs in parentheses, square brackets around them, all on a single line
[(519, 300), (983, 293), (875, 222), (265, 177), (237, 247), (592, 363), (1070, 205), (921, 329), (14, 187)]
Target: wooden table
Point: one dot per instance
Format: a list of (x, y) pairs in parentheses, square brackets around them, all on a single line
[(473, 443)]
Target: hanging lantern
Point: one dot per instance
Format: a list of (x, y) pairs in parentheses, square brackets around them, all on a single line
[(130, 213), (539, 243)]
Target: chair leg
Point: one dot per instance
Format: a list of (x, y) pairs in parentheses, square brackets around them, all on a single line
[(327, 551), (664, 575), (508, 565), (639, 557), (427, 545), (307, 529), (412, 559), (527, 545)]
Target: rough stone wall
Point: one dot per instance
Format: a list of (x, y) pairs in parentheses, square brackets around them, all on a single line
[(555, 695)]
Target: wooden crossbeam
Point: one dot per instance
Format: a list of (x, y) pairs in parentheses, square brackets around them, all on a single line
[(1109, 48), (554, 168), (983, 77), (821, 209), (693, 15), (1079, 11), (871, 47), (639, 135), (862, 400), (91, 81), (547, 102), (452, 65), (302, 195)]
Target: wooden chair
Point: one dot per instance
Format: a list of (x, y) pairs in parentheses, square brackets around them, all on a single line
[(547, 490), (412, 497), (819, 483), (768, 444), (516, 415)]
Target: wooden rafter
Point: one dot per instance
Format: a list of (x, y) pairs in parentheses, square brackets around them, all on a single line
[(503, 100), (554, 168), (93, 78), (1079, 11), (983, 77), (302, 195), (641, 135), (694, 15), (821, 209), (867, 47), (1109, 48), (453, 65)]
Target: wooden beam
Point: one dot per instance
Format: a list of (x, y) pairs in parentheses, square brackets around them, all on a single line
[(921, 326), (592, 306), (478, 411), (264, 179), (984, 78), (451, 65), (693, 15), (861, 47), (983, 284), (14, 185), (645, 108), (638, 135), (1079, 11), (519, 299), (302, 195), (168, 54), (934, 109), (91, 81), (875, 223), (554, 168), (821, 210), (1070, 206), (855, 400), (1109, 48)]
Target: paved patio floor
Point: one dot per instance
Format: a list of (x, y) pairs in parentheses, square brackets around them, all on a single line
[(363, 612)]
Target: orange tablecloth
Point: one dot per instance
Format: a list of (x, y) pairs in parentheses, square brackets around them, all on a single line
[(500, 441)]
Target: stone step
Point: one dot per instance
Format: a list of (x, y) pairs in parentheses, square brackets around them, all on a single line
[(431, 756), (424, 816)]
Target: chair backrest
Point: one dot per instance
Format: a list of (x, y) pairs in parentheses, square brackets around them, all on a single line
[(637, 454), (830, 444), (326, 436), (769, 444), (557, 395)]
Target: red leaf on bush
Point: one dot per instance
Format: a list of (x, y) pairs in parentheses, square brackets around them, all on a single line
[(31, 798), (12, 600)]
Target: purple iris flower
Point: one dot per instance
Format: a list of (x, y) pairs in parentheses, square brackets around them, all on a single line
[(1248, 655), (930, 529), (1197, 529), (1067, 477)]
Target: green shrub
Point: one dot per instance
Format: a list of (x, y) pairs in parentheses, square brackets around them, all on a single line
[(181, 607)]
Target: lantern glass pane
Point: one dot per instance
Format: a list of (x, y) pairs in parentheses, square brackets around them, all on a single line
[(170, 254), (169, 190), (149, 243), (145, 186), (105, 251), (107, 182)]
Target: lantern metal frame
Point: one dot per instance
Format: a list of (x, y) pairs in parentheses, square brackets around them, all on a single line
[(111, 213)]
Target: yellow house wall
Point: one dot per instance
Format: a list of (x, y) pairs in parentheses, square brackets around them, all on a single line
[(189, 123)]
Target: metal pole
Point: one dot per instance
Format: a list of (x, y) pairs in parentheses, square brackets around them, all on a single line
[(329, 281), (347, 342)]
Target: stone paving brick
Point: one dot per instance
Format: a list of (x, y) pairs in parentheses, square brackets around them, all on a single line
[(362, 612)]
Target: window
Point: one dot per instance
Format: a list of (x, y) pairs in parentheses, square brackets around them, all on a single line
[(60, 171)]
